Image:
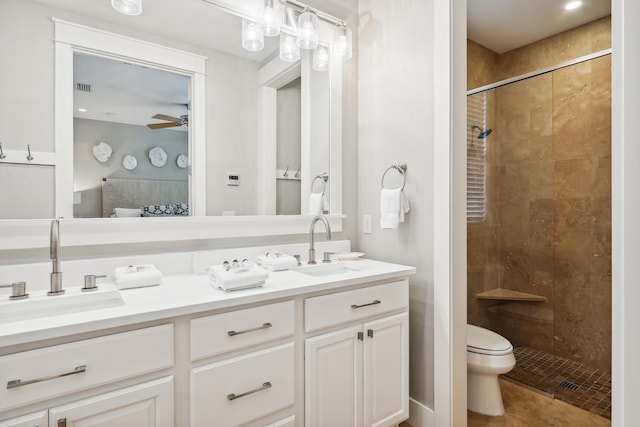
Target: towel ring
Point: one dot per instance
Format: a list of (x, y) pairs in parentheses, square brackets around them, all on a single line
[(402, 170), (323, 178)]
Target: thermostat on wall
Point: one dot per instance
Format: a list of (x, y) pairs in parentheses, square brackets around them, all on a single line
[(233, 178)]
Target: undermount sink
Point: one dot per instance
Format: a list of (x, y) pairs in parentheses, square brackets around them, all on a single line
[(40, 305), (329, 269)]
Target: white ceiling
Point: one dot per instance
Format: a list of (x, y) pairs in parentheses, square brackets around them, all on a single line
[(503, 25)]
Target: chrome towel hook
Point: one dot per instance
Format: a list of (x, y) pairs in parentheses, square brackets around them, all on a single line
[(2, 155), (29, 156), (401, 167)]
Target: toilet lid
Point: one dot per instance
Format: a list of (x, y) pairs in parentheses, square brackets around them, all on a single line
[(484, 341)]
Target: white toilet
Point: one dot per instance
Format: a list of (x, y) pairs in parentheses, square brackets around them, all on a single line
[(488, 355)]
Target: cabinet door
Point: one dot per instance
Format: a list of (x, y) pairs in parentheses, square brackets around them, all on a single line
[(148, 404), (386, 370), (38, 419), (333, 380)]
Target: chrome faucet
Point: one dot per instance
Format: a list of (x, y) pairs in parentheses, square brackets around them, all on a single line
[(54, 254), (312, 250)]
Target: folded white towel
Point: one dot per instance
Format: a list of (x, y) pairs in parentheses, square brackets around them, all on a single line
[(126, 212), (248, 276), (316, 203), (393, 206), (276, 261), (137, 276)]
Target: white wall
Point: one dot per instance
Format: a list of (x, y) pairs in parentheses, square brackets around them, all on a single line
[(395, 123), (625, 207), (288, 148), (123, 139)]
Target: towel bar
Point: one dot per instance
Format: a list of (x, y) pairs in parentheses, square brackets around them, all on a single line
[(402, 170)]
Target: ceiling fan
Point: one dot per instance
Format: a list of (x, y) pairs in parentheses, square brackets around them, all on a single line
[(171, 121)]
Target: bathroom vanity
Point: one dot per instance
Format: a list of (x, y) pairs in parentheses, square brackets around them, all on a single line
[(315, 346)]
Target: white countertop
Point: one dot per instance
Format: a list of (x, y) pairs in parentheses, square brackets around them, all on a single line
[(186, 294)]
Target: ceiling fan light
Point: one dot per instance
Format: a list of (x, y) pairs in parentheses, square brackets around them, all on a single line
[(252, 36), (272, 17), (128, 7), (289, 51), (307, 29)]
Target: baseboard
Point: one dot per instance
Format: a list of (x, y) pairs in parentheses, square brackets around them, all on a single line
[(420, 415)]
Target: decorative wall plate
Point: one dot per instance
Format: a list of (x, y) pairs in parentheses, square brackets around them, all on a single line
[(102, 152), (182, 161), (158, 157), (129, 162)]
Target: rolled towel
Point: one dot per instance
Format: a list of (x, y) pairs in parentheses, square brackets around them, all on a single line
[(393, 206), (276, 261), (316, 203), (248, 276), (137, 276)]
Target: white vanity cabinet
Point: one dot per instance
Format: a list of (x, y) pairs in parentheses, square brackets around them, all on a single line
[(37, 419), (149, 404), (245, 387), (50, 372), (358, 374)]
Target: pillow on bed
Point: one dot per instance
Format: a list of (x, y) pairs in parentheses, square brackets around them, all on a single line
[(126, 212), (181, 209), (157, 210)]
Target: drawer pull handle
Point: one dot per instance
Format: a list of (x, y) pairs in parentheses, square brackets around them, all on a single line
[(377, 301), (234, 396), (20, 383), (264, 326)]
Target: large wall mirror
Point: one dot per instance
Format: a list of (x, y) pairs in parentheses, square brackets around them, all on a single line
[(255, 135)]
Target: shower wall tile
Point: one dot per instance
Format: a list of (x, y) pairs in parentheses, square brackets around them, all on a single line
[(580, 41), (482, 65)]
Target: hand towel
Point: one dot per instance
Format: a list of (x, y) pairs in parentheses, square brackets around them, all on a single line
[(393, 206), (276, 261), (249, 276), (137, 276), (315, 203)]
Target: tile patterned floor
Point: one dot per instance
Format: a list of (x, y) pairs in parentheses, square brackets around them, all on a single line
[(570, 381)]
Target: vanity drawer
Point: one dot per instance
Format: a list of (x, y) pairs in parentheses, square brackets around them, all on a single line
[(57, 370), (343, 307), (245, 388), (221, 333)]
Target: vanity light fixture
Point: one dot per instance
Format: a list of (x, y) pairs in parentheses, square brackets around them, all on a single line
[(272, 17), (128, 7), (307, 29), (342, 42), (321, 58), (82, 110), (252, 36), (289, 50), (573, 5)]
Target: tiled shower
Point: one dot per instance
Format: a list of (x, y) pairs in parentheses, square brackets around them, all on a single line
[(539, 259)]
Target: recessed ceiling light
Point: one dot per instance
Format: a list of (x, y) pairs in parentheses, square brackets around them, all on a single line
[(573, 5), (82, 110)]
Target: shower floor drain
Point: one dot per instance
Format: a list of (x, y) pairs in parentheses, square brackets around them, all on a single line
[(570, 386)]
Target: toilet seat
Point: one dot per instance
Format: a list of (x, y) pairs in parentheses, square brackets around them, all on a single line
[(484, 341)]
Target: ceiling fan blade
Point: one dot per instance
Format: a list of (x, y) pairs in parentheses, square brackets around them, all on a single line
[(165, 117), (162, 125)]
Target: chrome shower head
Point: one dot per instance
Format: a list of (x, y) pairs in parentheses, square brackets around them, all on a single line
[(483, 132)]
